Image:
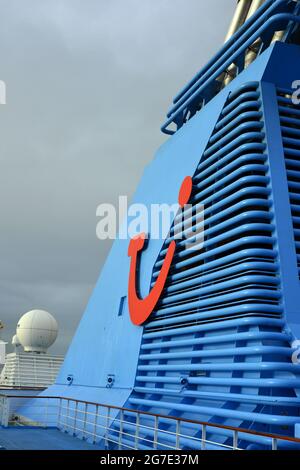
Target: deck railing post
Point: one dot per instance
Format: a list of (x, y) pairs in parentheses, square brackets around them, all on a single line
[(59, 413), (137, 431), (178, 426), (4, 419), (121, 426), (155, 438), (95, 425), (84, 421), (75, 419), (67, 415), (274, 444), (46, 412), (203, 440), (1, 410), (235, 440), (107, 427)]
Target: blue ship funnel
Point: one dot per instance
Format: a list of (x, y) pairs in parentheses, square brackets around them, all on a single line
[(220, 343)]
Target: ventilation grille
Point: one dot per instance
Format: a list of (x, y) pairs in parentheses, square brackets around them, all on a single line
[(290, 128), (215, 349), (235, 273)]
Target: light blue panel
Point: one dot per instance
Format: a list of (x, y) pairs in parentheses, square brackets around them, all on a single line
[(106, 343)]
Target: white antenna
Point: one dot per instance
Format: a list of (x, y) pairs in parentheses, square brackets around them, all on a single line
[(36, 331)]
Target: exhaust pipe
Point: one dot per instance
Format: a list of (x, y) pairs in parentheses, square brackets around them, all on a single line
[(245, 9), (254, 48), (255, 5), (239, 18)]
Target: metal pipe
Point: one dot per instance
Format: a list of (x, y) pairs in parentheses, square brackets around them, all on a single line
[(238, 20), (255, 5), (218, 339), (278, 420), (182, 95), (253, 50), (239, 17), (211, 367)]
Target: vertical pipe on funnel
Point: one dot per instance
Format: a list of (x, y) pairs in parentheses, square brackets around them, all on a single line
[(239, 17), (254, 48)]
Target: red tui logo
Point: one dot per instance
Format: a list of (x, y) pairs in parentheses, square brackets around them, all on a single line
[(141, 309)]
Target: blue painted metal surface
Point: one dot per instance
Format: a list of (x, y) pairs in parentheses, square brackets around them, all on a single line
[(211, 329), (218, 347), (102, 333)]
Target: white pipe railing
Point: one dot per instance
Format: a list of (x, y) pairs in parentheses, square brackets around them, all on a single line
[(121, 428)]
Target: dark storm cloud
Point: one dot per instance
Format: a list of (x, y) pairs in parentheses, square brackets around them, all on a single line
[(88, 86)]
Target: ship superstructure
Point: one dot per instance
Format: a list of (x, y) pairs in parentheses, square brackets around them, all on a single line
[(30, 366), (220, 345)]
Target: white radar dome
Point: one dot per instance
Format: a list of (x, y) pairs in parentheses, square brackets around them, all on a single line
[(37, 330)]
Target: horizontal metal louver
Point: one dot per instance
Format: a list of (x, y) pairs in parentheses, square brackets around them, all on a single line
[(290, 129), (234, 274), (216, 347)]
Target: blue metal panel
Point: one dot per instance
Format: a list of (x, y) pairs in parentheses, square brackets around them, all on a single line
[(181, 154), (102, 333)]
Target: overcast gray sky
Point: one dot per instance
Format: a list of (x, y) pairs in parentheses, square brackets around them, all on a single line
[(88, 85)]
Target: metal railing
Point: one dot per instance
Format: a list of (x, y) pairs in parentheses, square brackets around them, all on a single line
[(273, 16), (112, 427)]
